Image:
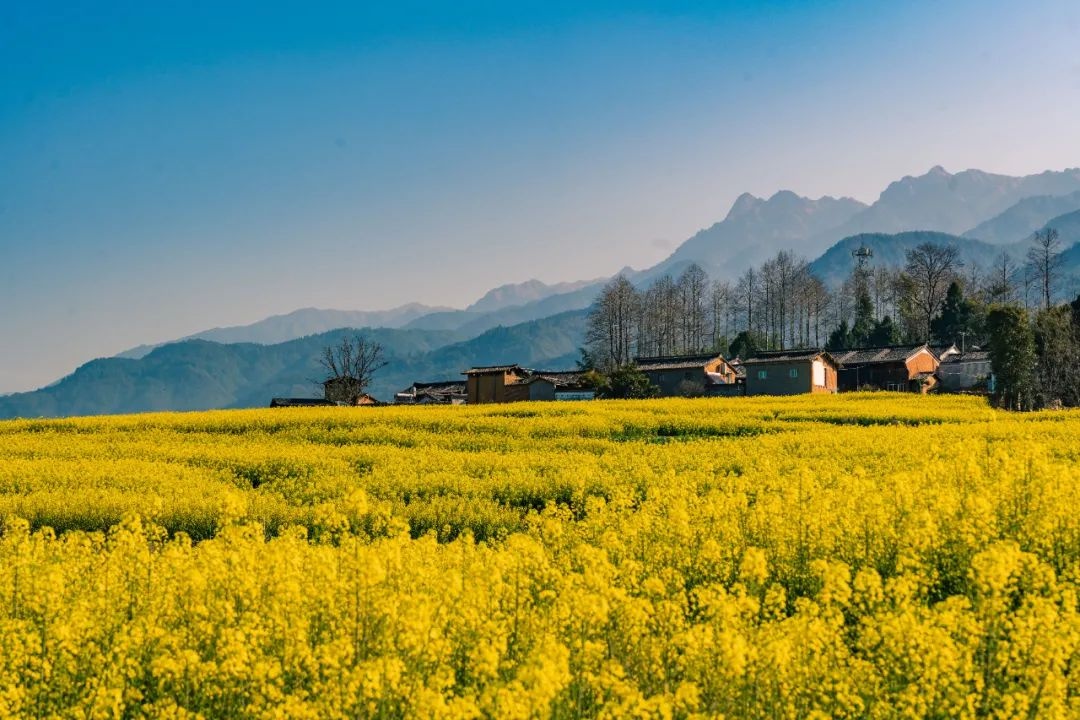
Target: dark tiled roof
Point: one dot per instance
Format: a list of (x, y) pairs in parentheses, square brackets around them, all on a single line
[(779, 356), (879, 355), (300, 402), (444, 386), (492, 369), (558, 378), (940, 350), (675, 362), (969, 356)]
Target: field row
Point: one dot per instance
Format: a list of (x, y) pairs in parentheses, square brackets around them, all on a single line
[(856, 556)]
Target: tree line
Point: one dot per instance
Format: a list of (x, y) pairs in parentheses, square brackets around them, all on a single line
[(1008, 308)]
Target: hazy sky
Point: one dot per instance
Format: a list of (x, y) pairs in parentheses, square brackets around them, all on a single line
[(170, 167)]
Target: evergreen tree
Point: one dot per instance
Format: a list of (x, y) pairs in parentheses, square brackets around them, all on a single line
[(1012, 357), (884, 333), (864, 324), (627, 382), (746, 344), (1057, 347), (961, 321), (839, 338)]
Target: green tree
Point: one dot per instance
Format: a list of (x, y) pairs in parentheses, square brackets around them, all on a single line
[(1057, 348), (884, 333), (863, 326), (961, 321), (627, 382), (1012, 357), (746, 344), (840, 338)]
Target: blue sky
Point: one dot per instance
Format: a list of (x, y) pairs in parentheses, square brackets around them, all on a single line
[(172, 167)]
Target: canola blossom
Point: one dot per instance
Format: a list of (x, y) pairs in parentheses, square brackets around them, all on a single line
[(854, 556)]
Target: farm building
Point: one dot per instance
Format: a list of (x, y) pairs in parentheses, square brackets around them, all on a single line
[(679, 375), (944, 351), (899, 368), (513, 383), (449, 392), (557, 385), (495, 384), (790, 372), (967, 372)]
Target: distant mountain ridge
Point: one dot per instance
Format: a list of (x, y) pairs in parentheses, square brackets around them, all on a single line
[(937, 201), (1024, 218), (755, 229), (512, 295), (199, 374), (298, 323), (505, 305)]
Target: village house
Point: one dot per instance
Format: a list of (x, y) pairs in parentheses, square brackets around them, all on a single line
[(969, 372), (557, 385), (899, 368), (495, 384), (790, 372), (944, 351), (513, 383), (449, 392), (683, 375)]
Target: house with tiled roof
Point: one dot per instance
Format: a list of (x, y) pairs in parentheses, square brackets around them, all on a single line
[(681, 375), (967, 372), (790, 372), (495, 384), (447, 392), (513, 383), (558, 385), (899, 368)]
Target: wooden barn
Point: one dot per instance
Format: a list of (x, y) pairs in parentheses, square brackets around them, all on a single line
[(682, 375), (495, 384), (899, 368), (448, 392), (790, 372), (557, 385)]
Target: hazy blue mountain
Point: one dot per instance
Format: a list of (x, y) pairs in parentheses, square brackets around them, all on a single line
[(506, 296), (755, 229), (1068, 227), (468, 323), (1025, 217), (835, 265), (939, 201), (954, 203), (198, 374), (297, 324)]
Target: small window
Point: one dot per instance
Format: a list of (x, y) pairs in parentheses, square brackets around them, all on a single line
[(762, 374), (793, 373)]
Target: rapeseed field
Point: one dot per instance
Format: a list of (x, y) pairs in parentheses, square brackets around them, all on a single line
[(857, 556)]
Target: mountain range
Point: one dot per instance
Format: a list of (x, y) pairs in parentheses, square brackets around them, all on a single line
[(199, 374), (982, 214)]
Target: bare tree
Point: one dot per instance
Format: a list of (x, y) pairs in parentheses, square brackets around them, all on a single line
[(692, 287), (612, 323), (745, 293), (1001, 286), (349, 367), (931, 268), (1044, 258), (721, 306)]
